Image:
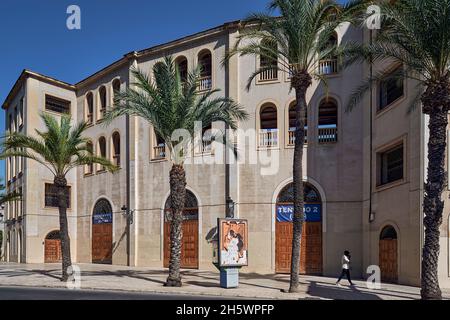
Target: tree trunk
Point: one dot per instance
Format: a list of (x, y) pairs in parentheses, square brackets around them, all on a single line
[(61, 183), (300, 83), (433, 204), (177, 199)]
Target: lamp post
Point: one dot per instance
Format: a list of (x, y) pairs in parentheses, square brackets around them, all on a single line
[(229, 208)]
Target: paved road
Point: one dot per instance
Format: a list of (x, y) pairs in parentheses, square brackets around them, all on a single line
[(31, 293)]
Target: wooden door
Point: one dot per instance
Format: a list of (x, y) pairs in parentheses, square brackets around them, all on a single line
[(189, 244), (52, 250), (388, 260), (311, 247), (102, 243)]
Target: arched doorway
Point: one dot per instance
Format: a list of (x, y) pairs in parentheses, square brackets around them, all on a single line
[(388, 254), (311, 243), (189, 242), (102, 232), (52, 247)]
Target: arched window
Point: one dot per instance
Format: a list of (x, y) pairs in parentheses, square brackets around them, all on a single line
[(190, 211), (292, 126), (102, 98), (53, 235), (182, 65), (310, 194), (102, 207), (116, 148), (205, 63), (329, 65), (268, 136), (328, 121), (115, 90), (89, 168), (102, 151), (89, 109), (268, 60), (159, 147), (388, 233)]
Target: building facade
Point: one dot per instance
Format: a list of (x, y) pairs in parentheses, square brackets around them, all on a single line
[(364, 169)]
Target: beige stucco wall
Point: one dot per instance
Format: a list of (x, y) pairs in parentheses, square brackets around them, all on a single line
[(339, 171)]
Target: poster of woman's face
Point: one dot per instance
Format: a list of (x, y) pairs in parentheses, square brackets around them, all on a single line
[(233, 237)]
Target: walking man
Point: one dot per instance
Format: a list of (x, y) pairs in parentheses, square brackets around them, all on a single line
[(345, 261)]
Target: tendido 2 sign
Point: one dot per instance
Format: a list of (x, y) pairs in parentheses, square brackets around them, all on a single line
[(313, 212)]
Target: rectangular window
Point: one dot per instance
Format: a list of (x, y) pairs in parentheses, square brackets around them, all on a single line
[(51, 195), (391, 88), (21, 113), (391, 165), (56, 104)]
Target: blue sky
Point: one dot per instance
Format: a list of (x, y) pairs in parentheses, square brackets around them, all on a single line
[(34, 36)]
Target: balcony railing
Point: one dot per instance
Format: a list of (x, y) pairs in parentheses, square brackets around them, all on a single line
[(327, 134), (159, 152), (269, 75), (204, 83), (291, 136), (116, 159), (102, 113), (329, 66), (90, 118), (268, 138), (206, 146)]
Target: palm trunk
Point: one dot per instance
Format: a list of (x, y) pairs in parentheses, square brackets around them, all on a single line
[(433, 204), (61, 183), (300, 83), (177, 199)]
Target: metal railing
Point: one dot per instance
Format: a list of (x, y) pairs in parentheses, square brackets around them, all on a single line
[(268, 75), (90, 118), (206, 146), (204, 83), (159, 152), (327, 134), (291, 136), (329, 66), (268, 138), (116, 159)]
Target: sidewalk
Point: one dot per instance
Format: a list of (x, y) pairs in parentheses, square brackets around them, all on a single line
[(195, 282)]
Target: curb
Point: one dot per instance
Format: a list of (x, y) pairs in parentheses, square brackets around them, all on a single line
[(201, 293)]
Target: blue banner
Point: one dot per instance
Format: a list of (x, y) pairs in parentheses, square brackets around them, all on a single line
[(101, 218), (313, 212)]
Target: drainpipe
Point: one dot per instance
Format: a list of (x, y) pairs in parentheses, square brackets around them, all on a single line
[(127, 161), (371, 214)]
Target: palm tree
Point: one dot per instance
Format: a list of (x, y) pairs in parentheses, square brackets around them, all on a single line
[(296, 41), (60, 148), (416, 35), (4, 198), (171, 103), (7, 197)]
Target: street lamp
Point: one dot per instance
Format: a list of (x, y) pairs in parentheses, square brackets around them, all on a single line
[(230, 208)]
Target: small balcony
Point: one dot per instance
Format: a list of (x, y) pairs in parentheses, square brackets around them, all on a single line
[(90, 118), (116, 160), (206, 146), (328, 66), (291, 137), (159, 152), (204, 83), (268, 138), (327, 134), (269, 75)]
